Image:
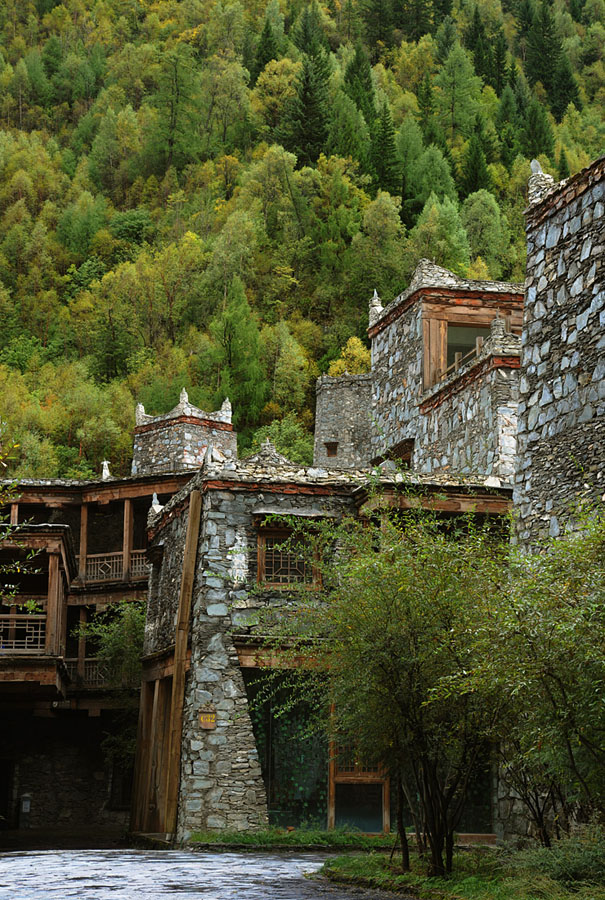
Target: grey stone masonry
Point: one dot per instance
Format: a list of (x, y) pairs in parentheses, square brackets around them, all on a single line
[(343, 421), (178, 440), (469, 422), (561, 428)]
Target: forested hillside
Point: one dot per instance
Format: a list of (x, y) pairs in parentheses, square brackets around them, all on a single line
[(205, 194)]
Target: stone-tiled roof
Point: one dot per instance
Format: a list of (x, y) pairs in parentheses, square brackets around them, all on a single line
[(184, 408), (429, 275), (546, 195), (270, 467)]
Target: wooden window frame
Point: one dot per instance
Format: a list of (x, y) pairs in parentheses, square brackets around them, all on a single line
[(331, 448), (358, 776), (282, 534)]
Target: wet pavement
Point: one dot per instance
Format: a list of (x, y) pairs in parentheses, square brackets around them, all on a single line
[(159, 875)]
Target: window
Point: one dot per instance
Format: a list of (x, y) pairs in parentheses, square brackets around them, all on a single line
[(280, 565), (463, 340), (332, 448)]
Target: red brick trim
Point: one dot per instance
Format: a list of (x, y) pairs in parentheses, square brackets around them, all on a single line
[(458, 384), (459, 296), (183, 420)]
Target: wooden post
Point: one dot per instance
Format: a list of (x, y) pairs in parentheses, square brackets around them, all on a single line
[(457, 361), (52, 606), (82, 641), (140, 800), (127, 539), (180, 658), (332, 785), (14, 513), (83, 540)]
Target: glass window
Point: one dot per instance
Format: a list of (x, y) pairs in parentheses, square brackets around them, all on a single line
[(463, 339)]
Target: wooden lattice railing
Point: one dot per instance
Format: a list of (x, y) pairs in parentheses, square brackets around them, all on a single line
[(139, 564), (110, 566), (94, 675), (22, 633)]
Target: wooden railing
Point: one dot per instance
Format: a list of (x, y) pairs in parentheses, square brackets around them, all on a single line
[(22, 633), (94, 675), (460, 359), (110, 566), (139, 564)]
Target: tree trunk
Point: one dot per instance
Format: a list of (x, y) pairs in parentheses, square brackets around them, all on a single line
[(405, 850)]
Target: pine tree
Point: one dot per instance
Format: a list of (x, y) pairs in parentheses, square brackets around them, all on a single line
[(304, 130), (308, 35), (445, 38), (359, 85), (498, 76), (426, 103), (537, 136), (544, 49), (564, 89), (475, 31), (378, 20), (265, 52), (241, 376), (475, 175), (385, 163), (460, 91), (563, 167), (414, 18)]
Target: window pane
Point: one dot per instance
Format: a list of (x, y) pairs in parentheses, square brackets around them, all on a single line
[(360, 806), (284, 566), (462, 339)]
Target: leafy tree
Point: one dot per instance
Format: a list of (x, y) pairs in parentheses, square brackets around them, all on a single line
[(174, 141), (485, 229), (354, 358), (289, 438), (392, 634), (439, 235)]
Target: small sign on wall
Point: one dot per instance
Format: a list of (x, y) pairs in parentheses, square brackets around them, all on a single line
[(208, 718)]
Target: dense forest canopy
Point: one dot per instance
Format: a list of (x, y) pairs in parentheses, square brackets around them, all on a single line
[(206, 194)]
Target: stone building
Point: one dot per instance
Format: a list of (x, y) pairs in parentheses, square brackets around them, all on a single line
[(561, 429), (90, 538), (443, 389)]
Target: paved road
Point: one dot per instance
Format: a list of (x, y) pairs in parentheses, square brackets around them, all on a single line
[(159, 875)]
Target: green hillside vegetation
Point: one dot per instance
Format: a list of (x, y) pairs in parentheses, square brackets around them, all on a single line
[(206, 194)]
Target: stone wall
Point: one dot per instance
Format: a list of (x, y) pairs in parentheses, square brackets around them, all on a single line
[(178, 440), (343, 416), (561, 431), (468, 424)]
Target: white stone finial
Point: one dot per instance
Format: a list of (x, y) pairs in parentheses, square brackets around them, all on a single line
[(226, 410), (536, 168), (139, 414), (539, 183), (105, 474), (376, 307), (184, 397)]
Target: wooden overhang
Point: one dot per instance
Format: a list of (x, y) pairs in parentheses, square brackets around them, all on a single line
[(56, 494), (29, 678), (46, 538), (454, 498)]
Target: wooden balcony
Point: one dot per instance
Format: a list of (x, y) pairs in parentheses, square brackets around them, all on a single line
[(107, 567), (91, 673), (23, 634)]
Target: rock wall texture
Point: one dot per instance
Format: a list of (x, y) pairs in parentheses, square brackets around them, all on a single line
[(469, 424), (561, 428), (221, 780), (179, 439), (343, 417)]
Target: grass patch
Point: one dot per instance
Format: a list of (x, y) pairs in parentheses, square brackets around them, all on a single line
[(335, 839), (478, 875)]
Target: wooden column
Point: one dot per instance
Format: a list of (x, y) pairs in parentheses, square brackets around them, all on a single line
[(142, 768), (127, 539), (14, 513), (53, 611), (180, 658), (83, 540), (82, 641)]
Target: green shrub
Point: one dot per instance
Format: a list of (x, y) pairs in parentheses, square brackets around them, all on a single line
[(578, 858)]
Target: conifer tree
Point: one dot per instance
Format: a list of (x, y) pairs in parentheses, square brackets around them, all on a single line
[(544, 49), (563, 167), (413, 17), (537, 136), (378, 20), (304, 130), (265, 52), (460, 90), (426, 103), (385, 164), (564, 89), (498, 75), (348, 133), (475, 174), (445, 38), (241, 376), (308, 35), (359, 85)]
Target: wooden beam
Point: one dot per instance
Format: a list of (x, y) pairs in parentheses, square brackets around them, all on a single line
[(82, 641), (83, 540), (127, 539), (180, 656), (14, 513), (52, 607)]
